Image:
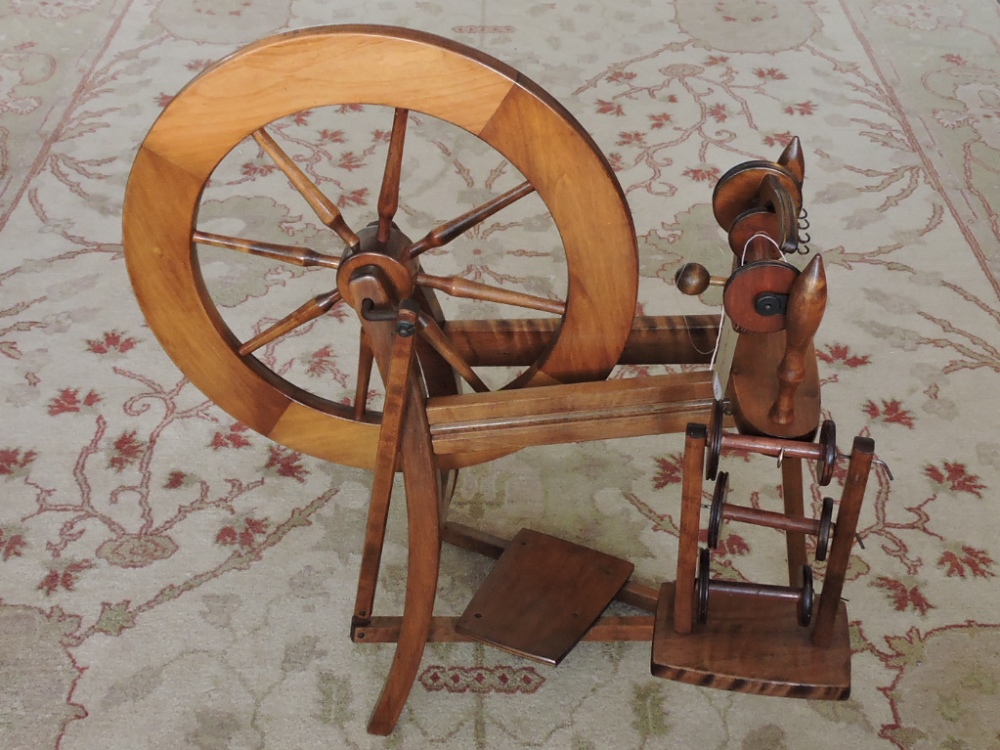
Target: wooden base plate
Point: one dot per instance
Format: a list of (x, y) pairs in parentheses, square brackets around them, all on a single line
[(752, 645), (542, 596)]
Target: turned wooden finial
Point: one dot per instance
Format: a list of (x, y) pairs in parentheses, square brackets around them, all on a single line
[(806, 304), (694, 278), (793, 159)]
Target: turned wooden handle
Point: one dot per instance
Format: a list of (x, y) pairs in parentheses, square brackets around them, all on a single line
[(806, 304)]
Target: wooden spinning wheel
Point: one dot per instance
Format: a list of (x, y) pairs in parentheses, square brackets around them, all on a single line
[(407, 71), (427, 426)]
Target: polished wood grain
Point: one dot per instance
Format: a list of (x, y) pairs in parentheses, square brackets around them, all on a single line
[(388, 196), (312, 309), (793, 159), (433, 334), (753, 388), (443, 629), (296, 256), (806, 305), (456, 286), (406, 429), (682, 608), (826, 632), (449, 231), (427, 427), (403, 70), (633, 593), (397, 387), (752, 644), (569, 413), (653, 340), (322, 206), (793, 499), (542, 596), (746, 284)]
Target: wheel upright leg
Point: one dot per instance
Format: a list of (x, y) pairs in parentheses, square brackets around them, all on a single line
[(420, 477)]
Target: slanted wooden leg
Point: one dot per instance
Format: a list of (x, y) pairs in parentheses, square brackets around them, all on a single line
[(791, 487), (370, 291), (420, 474), (397, 390)]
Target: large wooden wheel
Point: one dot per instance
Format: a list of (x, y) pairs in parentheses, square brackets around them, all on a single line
[(406, 71)]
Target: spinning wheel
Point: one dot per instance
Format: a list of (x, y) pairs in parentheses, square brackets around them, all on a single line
[(406, 71), (426, 426)]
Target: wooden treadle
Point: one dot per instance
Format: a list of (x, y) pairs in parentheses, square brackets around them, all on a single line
[(542, 596), (752, 645)]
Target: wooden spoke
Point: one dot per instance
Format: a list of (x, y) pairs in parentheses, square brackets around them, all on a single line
[(435, 337), (297, 256), (365, 359), (454, 228), (388, 197), (311, 310), (327, 212), (456, 286)]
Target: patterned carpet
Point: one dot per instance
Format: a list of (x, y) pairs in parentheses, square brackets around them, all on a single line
[(168, 578)]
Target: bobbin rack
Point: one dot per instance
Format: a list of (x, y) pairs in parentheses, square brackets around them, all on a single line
[(760, 395)]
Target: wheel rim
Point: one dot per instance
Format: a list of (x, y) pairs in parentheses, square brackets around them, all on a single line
[(283, 75)]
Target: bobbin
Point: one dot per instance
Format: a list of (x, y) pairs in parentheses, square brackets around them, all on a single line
[(804, 596), (721, 510), (823, 452)]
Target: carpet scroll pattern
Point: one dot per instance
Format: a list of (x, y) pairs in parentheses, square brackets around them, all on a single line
[(169, 578)]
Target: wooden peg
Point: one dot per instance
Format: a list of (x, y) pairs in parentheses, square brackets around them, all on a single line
[(806, 304), (693, 279)]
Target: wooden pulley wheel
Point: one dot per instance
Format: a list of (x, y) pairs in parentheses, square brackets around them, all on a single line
[(827, 461), (718, 505), (807, 598), (713, 446), (265, 96), (825, 526), (738, 190), (756, 296), (704, 585)]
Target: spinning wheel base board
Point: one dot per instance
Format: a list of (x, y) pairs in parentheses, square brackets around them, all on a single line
[(752, 645)]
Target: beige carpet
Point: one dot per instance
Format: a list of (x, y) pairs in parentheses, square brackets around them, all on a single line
[(169, 579)]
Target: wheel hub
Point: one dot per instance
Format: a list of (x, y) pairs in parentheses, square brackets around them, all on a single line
[(398, 276)]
